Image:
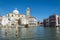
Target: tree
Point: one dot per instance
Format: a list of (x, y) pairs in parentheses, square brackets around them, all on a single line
[(19, 21)]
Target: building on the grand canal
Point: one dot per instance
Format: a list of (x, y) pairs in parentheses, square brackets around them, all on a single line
[(46, 22), (59, 21), (32, 21), (21, 18), (53, 20)]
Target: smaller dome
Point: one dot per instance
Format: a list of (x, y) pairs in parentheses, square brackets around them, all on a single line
[(16, 11)]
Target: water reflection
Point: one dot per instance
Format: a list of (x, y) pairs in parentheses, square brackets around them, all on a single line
[(32, 33), (6, 37), (58, 29), (27, 32), (16, 36), (58, 33)]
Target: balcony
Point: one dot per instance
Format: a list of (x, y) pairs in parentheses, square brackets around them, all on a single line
[(52, 21)]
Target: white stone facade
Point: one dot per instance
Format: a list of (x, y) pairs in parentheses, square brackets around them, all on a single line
[(57, 20), (15, 16)]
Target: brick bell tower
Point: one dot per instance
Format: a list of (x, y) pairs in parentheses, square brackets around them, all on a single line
[(28, 12)]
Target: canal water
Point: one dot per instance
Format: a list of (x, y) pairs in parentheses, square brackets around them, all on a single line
[(31, 33)]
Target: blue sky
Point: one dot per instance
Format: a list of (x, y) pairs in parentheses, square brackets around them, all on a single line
[(39, 8)]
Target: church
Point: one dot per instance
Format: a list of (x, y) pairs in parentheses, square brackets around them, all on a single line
[(21, 18)]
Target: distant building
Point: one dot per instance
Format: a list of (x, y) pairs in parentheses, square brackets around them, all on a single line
[(46, 22), (32, 21), (59, 21), (53, 20)]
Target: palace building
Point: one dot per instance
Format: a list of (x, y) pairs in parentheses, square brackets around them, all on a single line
[(52, 21)]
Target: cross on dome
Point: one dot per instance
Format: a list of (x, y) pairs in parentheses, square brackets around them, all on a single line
[(15, 8)]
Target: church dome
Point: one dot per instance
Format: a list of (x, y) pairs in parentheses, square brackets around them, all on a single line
[(16, 11)]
